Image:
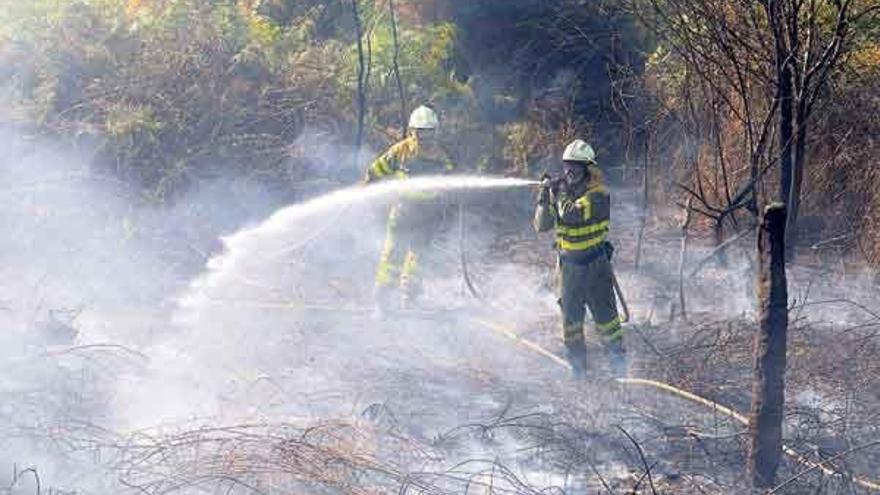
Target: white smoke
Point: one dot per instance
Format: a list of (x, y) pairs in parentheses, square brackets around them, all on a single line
[(277, 326)]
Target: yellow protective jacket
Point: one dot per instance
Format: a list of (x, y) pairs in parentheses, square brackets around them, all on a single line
[(406, 159), (582, 217)]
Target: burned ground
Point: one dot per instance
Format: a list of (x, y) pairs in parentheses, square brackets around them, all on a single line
[(279, 379)]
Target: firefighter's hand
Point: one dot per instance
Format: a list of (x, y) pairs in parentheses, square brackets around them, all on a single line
[(555, 186), (558, 186), (544, 191)]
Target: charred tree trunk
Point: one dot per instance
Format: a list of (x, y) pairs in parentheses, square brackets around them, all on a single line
[(797, 180), (768, 387), (786, 127)]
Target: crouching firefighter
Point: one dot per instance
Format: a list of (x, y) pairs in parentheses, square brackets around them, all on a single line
[(414, 220), (578, 206)]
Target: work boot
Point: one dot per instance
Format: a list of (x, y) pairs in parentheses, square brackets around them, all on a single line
[(617, 360), (576, 353)]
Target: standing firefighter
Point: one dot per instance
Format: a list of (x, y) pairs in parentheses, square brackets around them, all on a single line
[(579, 206), (414, 220)]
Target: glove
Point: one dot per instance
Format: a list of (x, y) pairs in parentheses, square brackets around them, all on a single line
[(555, 186), (609, 250), (559, 187), (544, 192)]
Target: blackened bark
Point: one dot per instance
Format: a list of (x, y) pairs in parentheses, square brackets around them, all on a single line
[(797, 180), (786, 125), (768, 387)]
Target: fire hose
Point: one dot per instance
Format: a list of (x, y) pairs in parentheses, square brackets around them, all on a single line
[(673, 390), (665, 387), (635, 382)]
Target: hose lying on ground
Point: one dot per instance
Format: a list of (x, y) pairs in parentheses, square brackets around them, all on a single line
[(671, 389), (812, 465)]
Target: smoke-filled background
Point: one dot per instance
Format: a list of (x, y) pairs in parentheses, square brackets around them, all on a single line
[(89, 277), (121, 318), (186, 295)]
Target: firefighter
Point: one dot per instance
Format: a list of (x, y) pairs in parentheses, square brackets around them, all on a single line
[(415, 218), (578, 205)]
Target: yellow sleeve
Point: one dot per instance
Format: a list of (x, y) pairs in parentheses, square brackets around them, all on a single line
[(388, 163)]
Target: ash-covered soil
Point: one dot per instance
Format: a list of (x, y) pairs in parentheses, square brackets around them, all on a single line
[(281, 380)]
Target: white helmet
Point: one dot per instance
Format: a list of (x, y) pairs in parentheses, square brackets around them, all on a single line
[(423, 118), (579, 151)]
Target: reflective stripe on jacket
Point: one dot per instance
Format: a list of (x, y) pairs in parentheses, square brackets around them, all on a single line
[(406, 159), (582, 223)]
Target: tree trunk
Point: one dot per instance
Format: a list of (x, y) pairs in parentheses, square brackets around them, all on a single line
[(786, 135), (643, 221), (785, 82), (362, 84), (797, 180), (768, 387), (685, 237), (719, 242), (396, 67)]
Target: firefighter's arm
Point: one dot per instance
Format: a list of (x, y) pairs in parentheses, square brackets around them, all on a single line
[(600, 202), (545, 213), (600, 206), (382, 167), (545, 218), (387, 164)]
